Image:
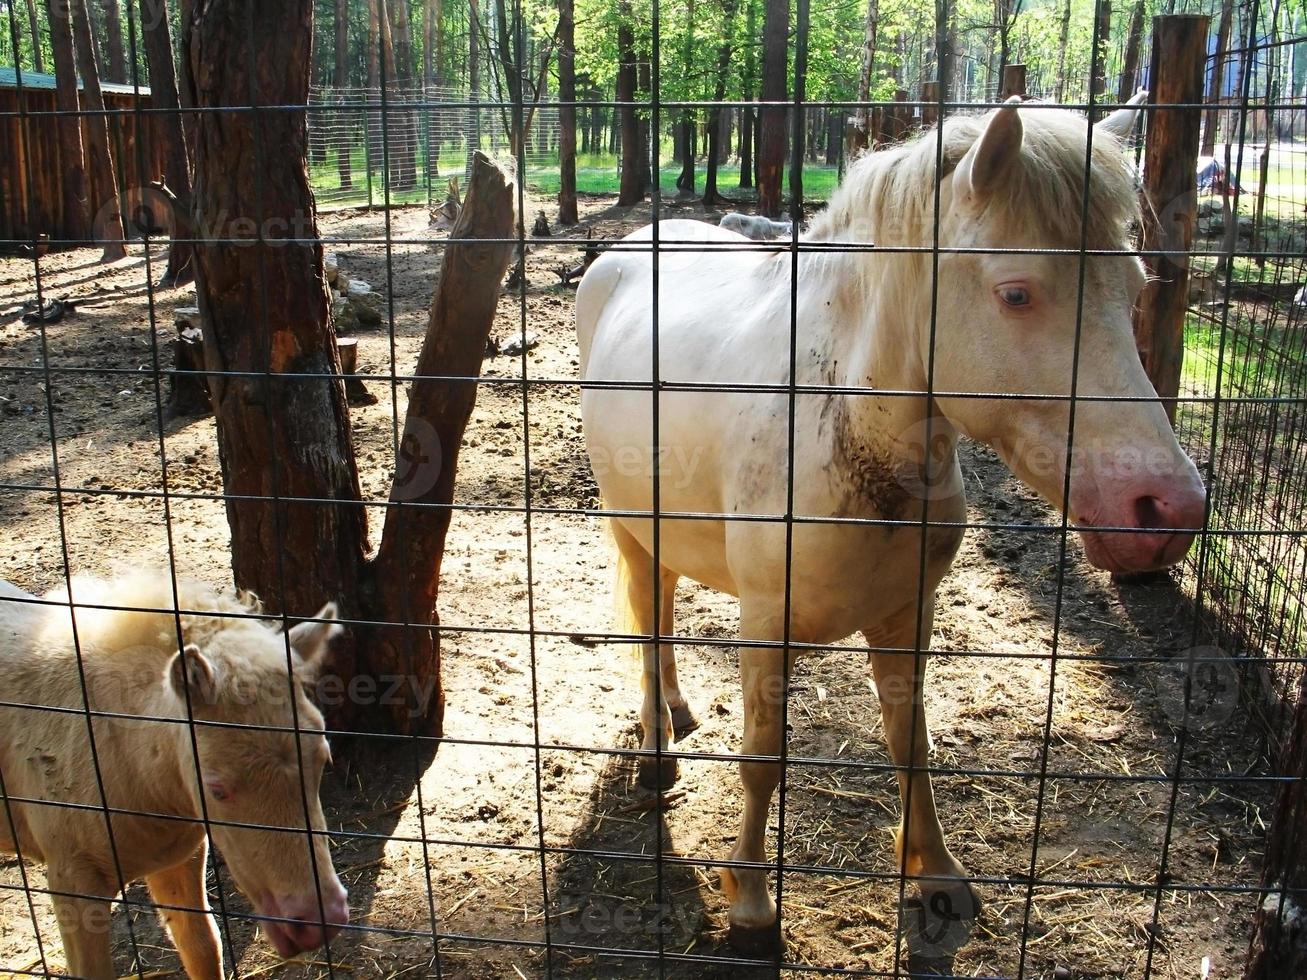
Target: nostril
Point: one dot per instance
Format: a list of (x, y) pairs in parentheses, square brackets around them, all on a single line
[(1150, 514)]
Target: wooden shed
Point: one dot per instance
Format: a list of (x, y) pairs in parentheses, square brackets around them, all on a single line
[(31, 201)]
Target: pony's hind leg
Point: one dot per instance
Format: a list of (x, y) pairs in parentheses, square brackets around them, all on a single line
[(664, 713)]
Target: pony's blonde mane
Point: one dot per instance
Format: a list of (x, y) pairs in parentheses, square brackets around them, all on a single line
[(888, 197), (111, 630)]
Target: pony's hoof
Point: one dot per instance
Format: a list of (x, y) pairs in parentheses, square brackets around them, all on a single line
[(756, 942), (657, 774), (937, 921), (684, 721)]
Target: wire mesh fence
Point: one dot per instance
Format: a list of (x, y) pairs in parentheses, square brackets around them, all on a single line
[(1106, 791), (366, 148)]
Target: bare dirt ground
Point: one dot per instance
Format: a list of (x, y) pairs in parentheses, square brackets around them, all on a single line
[(458, 837)]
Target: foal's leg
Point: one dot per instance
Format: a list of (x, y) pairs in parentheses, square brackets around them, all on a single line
[(753, 922), (193, 932), (663, 710), (84, 923), (919, 844)]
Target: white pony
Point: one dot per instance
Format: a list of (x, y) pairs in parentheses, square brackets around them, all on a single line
[(1042, 326), (254, 758)]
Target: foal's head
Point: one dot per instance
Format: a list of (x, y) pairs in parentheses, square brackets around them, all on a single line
[(260, 763), (1050, 326)]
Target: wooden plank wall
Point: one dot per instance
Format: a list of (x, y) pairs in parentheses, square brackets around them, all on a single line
[(31, 202)]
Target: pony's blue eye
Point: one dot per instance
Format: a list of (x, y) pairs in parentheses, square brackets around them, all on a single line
[(1015, 295)]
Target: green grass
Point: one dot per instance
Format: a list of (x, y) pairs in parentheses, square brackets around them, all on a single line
[(595, 174)]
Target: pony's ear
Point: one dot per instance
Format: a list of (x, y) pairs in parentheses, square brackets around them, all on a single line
[(191, 669), (1122, 122), (310, 640), (993, 155)]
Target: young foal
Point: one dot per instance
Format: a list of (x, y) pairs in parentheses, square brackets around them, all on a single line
[(916, 342), (233, 671)]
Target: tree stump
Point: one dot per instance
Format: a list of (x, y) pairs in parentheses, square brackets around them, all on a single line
[(188, 392), (355, 390)]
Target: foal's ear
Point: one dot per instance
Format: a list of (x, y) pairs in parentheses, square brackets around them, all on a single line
[(192, 670), (994, 154), (1122, 122), (310, 640)]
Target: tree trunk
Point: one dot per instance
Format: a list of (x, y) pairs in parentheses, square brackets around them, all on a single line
[(263, 301), (473, 79), (1279, 942), (113, 36), (108, 222), (1098, 61), (645, 87), (1064, 31), (77, 215), (630, 187), (38, 57), (344, 129), (1130, 61), (861, 134), (430, 27), (685, 181), (405, 120), (772, 143), (1170, 186), (1213, 121), (748, 117), (406, 572), (163, 95), (567, 210), (944, 55), (710, 195)]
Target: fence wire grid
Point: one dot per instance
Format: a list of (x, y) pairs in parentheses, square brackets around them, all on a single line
[(1103, 752)]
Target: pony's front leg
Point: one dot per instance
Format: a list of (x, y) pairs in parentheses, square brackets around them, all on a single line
[(194, 932), (754, 926), (941, 922), (81, 907)]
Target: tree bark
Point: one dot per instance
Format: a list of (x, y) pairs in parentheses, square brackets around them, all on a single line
[(685, 180), (1130, 60), (263, 299), (1098, 61), (724, 50), (1064, 32), (113, 38), (861, 133), (77, 215), (944, 53), (1213, 121), (405, 120), (567, 209), (772, 143), (1279, 942), (164, 95), (406, 571), (38, 57), (299, 532), (344, 129), (630, 187), (108, 222), (1170, 183), (748, 116), (473, 80)]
